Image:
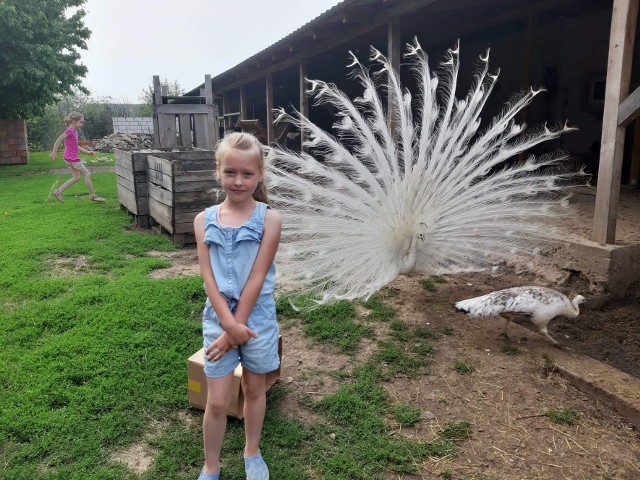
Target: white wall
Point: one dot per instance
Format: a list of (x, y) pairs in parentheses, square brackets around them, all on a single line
[(132, 125)]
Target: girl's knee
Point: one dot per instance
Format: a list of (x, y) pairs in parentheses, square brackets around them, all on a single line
[(216, 406), (253, 390)]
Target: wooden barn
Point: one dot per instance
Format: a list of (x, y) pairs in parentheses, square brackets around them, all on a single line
[(581, 51)]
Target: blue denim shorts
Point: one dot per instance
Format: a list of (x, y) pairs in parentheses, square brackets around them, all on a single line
[(259, 354)]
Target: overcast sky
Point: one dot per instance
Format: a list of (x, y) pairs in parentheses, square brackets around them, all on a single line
[(132, 40)]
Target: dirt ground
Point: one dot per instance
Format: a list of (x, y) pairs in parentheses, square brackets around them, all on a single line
[(494, 398)]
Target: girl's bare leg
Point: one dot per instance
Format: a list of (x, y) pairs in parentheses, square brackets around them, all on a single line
[(71, 181), (215, 420), (255, 404), (87, 180)]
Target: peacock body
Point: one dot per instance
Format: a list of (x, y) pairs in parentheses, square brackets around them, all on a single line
[(424, 193), (540, 304)]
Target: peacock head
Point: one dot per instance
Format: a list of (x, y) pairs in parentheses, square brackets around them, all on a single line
[(410, 255), (577, 300), (422, 231)]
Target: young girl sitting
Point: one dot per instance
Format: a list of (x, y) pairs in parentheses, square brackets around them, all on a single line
[(74, 122), (237, 242)]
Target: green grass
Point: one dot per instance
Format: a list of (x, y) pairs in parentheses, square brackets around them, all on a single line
[(509, 349), (335, 324), (406, 415), (378, 309), (428, 284), (90, 359), (463, 367), (40, 162), (562, 415)]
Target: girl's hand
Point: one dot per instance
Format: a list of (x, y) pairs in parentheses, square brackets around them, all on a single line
[(240, 334), (218, 348), (53, 155)]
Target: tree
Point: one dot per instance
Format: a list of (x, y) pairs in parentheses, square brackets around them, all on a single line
[(146, 96), (39, 54)]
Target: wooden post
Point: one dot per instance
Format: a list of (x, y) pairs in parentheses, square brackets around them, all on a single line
[(244, 115), (634, 177), (393, 52), (225, 109), (622, 36), (270, 132), (303, 71), (157, 100)]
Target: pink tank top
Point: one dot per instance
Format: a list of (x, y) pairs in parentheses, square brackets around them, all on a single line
[(70, 153)]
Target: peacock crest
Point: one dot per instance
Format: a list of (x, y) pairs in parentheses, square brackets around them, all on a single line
[(418, 189)]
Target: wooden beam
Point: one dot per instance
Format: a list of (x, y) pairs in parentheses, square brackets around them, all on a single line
[(157, 100), (243, 103), (179, 108), (208, 90), (634, 177), (269, 91), (303, 73), (225, 109), (629, 109), (622, 36), (157, 90)]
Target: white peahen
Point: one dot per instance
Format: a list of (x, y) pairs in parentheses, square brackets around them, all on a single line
[(424, 193), (541, 304)]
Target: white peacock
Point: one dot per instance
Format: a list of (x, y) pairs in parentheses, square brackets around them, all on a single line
[(430, 194)]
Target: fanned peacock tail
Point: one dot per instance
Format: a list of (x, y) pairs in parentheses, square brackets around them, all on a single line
[(430, 194)]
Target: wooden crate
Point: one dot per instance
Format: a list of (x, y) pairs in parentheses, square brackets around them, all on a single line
[(197, 383), (131, 175), (181, 185)]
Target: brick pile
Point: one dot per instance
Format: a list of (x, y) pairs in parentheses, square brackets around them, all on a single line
[(13, 142)]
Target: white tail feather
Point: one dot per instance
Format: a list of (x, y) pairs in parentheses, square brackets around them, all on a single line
[(352, 215)]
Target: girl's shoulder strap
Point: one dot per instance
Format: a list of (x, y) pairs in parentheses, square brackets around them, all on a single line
[(210, 215)]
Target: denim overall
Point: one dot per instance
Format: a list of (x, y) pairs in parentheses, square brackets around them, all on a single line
[(233, 251)]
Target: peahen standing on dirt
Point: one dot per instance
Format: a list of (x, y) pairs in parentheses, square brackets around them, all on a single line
[(540, 304), (427, 192)]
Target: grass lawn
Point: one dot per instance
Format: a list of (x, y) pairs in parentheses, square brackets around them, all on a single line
[(93, 355)]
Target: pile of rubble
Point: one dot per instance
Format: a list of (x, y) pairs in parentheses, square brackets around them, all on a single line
[(122, 141)]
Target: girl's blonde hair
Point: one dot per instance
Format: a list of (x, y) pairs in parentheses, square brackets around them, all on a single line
[(73, 116), (245, 142)]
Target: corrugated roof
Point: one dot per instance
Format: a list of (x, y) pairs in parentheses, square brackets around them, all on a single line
[(310, 24)]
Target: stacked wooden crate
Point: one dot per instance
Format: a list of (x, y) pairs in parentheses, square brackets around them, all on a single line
[(131, 174), (181, 184)]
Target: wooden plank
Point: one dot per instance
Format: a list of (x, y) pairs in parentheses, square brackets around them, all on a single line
[(303, 73), (157, 213), (179, 109), (195, 186), (243, 103), (185, 130), (270, 130), (127, 199), (137, 177), (629, 109), (634, 176), (201, 132), (208, 91), (167, 130), (161, 195), (623, 29), (157, 90), (126, 183)]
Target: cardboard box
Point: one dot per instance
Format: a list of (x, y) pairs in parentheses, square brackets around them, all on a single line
[(197, 383)]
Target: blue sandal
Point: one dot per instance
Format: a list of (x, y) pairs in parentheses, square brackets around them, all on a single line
[(256, 468), (209, 476)]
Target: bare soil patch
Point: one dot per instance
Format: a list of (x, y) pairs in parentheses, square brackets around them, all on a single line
[(493, 398), (66, 266), (61, 171), (184, 263)]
